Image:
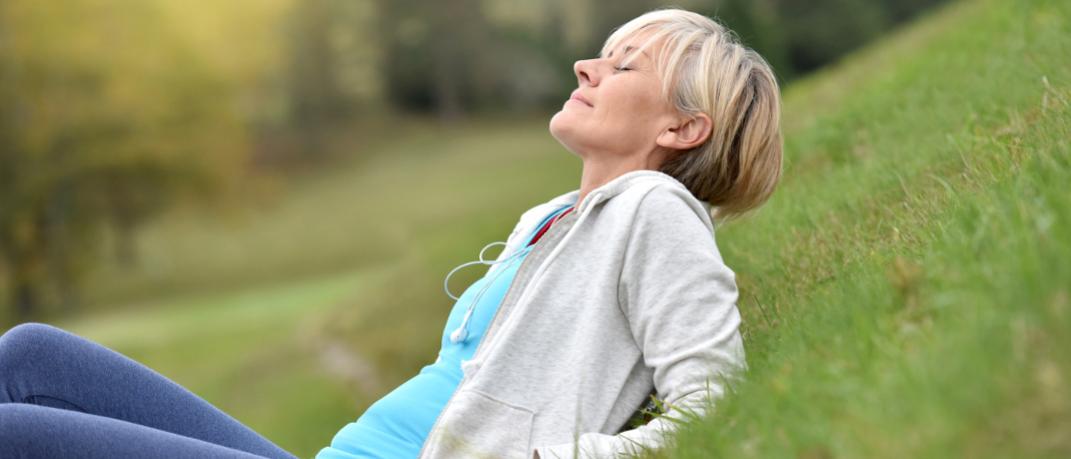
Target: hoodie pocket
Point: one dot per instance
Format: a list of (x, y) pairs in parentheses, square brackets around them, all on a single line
[(478, 425)]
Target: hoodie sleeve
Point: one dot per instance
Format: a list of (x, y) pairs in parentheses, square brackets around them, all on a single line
[(680, 301)]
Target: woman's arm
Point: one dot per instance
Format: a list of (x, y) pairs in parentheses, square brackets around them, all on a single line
[(680, 301)]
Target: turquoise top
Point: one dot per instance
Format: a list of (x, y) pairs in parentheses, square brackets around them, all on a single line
[(397, 425)]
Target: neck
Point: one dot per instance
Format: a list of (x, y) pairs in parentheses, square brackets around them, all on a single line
[(598, 173)]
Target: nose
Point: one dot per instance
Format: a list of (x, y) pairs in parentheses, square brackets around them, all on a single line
[(585, 73)]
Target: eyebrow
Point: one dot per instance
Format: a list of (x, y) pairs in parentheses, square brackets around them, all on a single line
[(627, 48)]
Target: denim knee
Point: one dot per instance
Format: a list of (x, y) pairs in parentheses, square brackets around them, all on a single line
[(30, 331), (21, 346)]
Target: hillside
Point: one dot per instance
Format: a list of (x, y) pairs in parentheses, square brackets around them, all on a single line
[(906, 291)]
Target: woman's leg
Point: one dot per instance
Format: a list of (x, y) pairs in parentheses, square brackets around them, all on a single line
[(47, 366), (31, 431)]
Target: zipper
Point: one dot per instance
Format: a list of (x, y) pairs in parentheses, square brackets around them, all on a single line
[(552, 233)]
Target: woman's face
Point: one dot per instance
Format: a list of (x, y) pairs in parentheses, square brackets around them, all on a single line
[(618, 111)]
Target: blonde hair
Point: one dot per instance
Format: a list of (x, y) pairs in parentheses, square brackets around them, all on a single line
[(704, 68)]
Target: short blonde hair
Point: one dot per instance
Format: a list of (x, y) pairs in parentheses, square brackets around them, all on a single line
[(704, 68)]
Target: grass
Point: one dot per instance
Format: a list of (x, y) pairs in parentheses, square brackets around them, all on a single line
[(918, 302), (904, 293)]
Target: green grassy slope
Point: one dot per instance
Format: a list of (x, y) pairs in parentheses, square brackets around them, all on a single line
[(906, 292)]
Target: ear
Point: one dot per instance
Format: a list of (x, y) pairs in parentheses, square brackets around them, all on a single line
[(688, 133)]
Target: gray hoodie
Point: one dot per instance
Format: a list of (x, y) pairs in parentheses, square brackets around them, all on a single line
[(625, 296)]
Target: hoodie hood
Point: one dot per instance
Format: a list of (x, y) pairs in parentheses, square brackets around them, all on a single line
[(532, 217), (607, 191)]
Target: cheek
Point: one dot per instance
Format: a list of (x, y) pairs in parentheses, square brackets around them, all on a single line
[(631, 112), (633, 97)]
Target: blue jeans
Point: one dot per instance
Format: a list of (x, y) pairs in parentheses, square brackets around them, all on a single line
[(64, 396)]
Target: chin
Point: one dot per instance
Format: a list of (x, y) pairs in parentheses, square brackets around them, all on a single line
[(561, 129), (555, 123)]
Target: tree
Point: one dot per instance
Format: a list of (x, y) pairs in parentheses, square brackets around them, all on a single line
[(316, 99), (438, 55), (107, 119)]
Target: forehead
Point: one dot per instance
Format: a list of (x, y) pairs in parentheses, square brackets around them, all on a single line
[(641, 41)]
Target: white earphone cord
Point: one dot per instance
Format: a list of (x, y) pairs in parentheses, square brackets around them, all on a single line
[(461, 333)]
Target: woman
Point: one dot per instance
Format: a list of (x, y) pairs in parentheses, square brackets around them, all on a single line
[(601, 297)]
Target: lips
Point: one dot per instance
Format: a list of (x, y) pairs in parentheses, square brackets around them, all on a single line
[(576, 95)]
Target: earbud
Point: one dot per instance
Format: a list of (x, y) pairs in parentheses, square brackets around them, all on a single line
[(459, 335)]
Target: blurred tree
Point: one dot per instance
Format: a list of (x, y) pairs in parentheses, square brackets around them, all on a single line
[(530, 70), (438, 55), (316, 98), (902, 10), (107, 119), (820, 31)]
